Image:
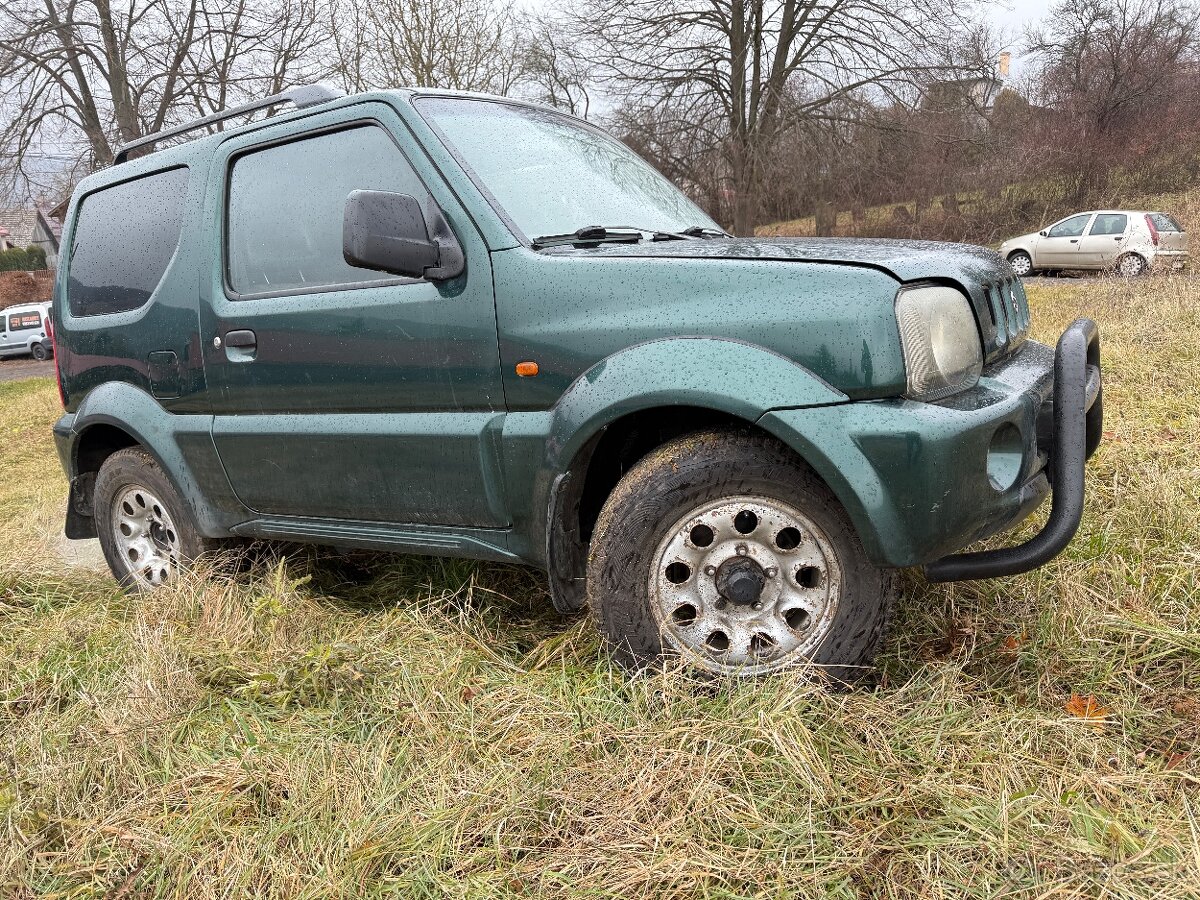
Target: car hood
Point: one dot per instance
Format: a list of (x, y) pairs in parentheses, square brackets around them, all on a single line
[(1022, 239), (903, 260)]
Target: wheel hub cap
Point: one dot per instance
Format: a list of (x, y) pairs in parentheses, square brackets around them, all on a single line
[(745, 585), (740, 580)]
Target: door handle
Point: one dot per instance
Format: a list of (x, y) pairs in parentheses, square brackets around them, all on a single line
[(243, 340), (241, 345), (1074, 240)]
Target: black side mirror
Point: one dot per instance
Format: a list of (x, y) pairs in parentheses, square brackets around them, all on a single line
[(389, 232), (1044, 233)]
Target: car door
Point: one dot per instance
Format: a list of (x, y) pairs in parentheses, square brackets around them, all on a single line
[(1104, 242), (1059, 247), (339, 392)]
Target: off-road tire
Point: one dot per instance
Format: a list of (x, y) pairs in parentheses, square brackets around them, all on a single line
[(694, 470), (134, 466)]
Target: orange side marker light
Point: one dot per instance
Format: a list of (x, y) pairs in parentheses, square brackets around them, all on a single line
[(527, 369)]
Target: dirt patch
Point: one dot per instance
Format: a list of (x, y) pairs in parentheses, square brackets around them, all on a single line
[(18, 367)]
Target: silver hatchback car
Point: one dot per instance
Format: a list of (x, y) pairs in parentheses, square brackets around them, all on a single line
[(1126, 241)]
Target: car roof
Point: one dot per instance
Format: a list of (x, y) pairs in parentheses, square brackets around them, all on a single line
[(196, 150)]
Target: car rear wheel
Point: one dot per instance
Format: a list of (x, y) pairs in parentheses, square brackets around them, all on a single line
[(724, 550), (1131, 265), (39, 353), (1021, 263), (145, 529)]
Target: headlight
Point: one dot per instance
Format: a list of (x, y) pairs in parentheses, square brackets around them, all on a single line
[(942, 353)]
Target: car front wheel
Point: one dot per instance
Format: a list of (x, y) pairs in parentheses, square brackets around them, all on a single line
[(145, 529), (726, 551), (1021, 263)]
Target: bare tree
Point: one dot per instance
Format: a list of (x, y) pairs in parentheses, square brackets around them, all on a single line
[(745, 71), (1109, 67), (557, 69), (79, 77), (458, 44)]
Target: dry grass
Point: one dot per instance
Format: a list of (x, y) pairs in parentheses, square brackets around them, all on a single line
[(987, 220), (411, 727)]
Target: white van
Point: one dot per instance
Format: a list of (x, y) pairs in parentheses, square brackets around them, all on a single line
[(25, 329)]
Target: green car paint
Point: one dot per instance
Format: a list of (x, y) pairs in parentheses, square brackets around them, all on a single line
[(389, 415)]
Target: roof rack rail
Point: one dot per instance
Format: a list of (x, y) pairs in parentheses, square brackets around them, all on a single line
[(300, 97)]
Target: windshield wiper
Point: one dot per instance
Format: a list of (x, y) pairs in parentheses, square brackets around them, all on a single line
[(702, 231), (589, 234)]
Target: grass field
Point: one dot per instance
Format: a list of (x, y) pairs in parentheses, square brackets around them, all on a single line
[(408, 727)]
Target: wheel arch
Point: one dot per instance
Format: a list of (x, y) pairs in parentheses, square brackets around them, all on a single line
[(634, 402), (115, 416)]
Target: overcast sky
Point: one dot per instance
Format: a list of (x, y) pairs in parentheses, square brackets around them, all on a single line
[(1010, 19)]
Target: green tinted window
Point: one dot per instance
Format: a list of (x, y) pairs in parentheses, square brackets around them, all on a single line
[(286, 204), (124, 239)]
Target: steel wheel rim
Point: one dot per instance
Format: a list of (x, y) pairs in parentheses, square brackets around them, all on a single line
[(146, 537), (1021, 264), (1131, 265), (801, 582)]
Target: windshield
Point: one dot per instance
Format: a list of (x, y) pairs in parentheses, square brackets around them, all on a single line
[(553, 175)]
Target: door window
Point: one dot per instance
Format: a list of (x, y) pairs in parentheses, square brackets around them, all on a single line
[(1072, 227), (286, 204), (1109, 224)]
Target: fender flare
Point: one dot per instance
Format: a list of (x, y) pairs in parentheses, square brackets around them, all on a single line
[(734, 377), (181, 444)]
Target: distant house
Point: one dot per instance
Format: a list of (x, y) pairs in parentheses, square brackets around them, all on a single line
[(23, 227), (974, 95)]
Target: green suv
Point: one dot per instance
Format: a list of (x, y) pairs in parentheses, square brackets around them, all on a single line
[(453, 324)]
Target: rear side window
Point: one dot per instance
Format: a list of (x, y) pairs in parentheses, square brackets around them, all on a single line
[(1163, 222), (1109, 223), (125, 236), (286, 205), (20, 321)]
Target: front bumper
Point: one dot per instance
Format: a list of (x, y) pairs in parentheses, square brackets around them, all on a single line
[(920, 480)]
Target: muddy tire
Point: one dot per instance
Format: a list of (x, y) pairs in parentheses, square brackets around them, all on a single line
[(726, 550), (145, 528)]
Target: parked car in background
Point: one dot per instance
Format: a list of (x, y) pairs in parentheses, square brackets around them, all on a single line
[(1126, 241), (23, 330)]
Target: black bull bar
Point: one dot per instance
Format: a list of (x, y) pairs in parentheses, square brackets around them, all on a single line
[(1078, 417)]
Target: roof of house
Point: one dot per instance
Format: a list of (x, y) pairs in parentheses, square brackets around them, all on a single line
[(22, 223)]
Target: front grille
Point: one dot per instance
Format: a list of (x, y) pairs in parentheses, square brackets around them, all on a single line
[(1009, 308)]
